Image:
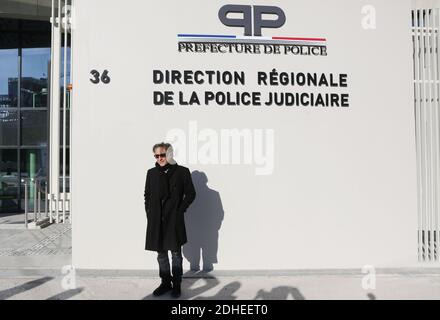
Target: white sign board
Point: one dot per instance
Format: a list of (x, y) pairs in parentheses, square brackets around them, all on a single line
[(295, 118)]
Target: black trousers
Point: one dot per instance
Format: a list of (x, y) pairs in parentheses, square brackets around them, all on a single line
[(176, 265), (164, 262)]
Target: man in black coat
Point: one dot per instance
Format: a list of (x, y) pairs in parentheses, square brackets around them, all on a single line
[(169, 191)]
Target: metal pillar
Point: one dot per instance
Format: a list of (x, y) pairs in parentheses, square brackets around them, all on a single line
[(61, 10)]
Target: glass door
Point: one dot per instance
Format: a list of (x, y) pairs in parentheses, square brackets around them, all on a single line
[(24, 91)]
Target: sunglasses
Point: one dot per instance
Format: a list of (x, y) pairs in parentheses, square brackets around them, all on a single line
[(162, 155)]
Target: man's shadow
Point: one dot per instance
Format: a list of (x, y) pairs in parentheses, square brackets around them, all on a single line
[(191, 286), (203, 220)]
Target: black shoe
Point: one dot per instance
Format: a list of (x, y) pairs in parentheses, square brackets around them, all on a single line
[(208, 267), (175, 293), (194, 267), (164, 287)]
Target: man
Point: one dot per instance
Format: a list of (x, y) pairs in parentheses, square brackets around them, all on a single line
[(169, 191)]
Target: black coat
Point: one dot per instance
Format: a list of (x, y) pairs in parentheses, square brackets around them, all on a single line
[(165, 222)]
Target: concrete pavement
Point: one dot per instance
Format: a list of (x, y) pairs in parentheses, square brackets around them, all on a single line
[(31, 268), (51, 284)]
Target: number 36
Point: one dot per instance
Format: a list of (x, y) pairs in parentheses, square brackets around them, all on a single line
[(97, 77)]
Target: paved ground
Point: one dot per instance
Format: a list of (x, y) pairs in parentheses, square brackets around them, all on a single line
[(17, 220), (203, 286), (13, 220), (54, 240), (31, 260)]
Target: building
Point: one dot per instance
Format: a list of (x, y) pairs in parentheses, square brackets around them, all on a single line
[(336, 157)]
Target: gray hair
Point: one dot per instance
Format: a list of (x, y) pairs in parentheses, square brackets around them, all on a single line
[(161, 145)]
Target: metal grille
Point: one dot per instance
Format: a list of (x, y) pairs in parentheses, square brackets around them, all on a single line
[(425, 37), (60, 112)]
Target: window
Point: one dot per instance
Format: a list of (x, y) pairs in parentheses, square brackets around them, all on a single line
[(24, 102)]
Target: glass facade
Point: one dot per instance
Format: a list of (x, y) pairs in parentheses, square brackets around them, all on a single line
[(24, 102), (9, 67)]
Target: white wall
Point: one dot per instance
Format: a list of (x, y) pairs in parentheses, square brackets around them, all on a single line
[(425, 4), (343, 190)]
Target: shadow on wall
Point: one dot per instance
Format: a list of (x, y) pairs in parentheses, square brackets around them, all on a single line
[(203, 220)]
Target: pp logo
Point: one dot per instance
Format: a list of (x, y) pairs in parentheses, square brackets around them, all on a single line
[(252, 11)]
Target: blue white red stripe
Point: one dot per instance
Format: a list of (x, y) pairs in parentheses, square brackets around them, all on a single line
[(232, 37)]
